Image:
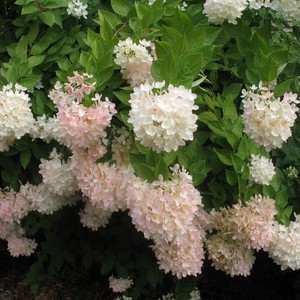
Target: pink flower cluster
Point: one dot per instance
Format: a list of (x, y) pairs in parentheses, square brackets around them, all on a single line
[(119, 285), (240, 229), (135, 60), (84, 127), (166, 212)]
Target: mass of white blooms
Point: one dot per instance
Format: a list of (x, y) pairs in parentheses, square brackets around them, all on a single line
[(219, 11), (119, 285), (162, 119), (230, 256), (94, 217), (135, 60), (57, 175), (268, 120), (285, 245), (257, 4), (288, 8), (16, 118), (261, 169), (48, 129), (77, 9)]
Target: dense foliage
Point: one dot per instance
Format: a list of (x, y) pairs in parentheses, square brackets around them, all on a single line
[(150, 138)]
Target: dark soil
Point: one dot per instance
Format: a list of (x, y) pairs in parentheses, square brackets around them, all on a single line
[(266, 282)]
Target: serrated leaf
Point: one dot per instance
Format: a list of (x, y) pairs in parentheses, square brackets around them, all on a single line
[(123, 96), (25, 157), (34, 61), (224, 156), (121, 7), (47, 17), (231, 177)]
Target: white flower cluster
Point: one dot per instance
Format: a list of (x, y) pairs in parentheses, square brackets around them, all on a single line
[(57, 175), (119, 285), (135, 60), (285, 246), (258, 4), (288, 8), (261, 169), (16, 118), (218, 11), (268, 120), (17, 243), (94, 217), (77, 9), (48, 129), (230, 256), (162, 119)]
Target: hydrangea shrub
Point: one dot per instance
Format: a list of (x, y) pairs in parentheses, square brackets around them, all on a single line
[(167, 130)]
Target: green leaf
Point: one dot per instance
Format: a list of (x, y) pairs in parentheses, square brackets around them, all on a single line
[(161, 168), (121, 7), (154, 277), (281, 199), (47, 17), (199, 171), (21, 49), (282, 88), (224, 156), (34, 61), (237, 163), (25, 157), (231, 177), (33, 32), (30, 9), (142, 169), (123, 96)]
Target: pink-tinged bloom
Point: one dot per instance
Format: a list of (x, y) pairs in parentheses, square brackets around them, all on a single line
[(184, 255), (84, 127), (119, 285), (16, 118), (284, 248), (267, 120), (94, 217), (135, 61), (230, 256), (250, 224)]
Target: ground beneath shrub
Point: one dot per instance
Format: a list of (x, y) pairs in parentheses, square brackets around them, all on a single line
[(267, 282)]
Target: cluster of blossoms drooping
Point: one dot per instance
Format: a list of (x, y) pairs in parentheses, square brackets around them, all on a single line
[(119, 285), (94, 217), (258, 4), (288, 8), (84, 127), (218, 11), (16, 118), (268, 120), (77, 9), (261, 169), (17, 243), (230, 256), (240, 230), (285, 245), (57, 175), (47, 197), (165, 212), (163, 119), (135, 60)]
